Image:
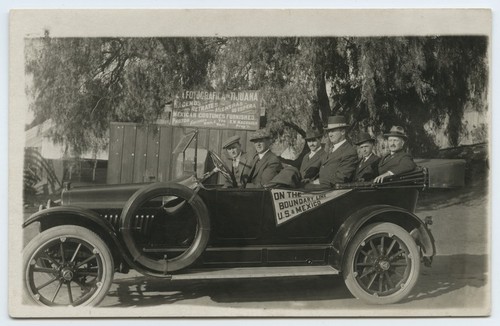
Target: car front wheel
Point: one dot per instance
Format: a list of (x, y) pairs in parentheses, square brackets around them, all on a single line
[(382, 264), (67, 266)]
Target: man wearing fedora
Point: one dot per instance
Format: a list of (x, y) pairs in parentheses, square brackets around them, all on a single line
[(367, 168), (339, 164), (237, 161), (309, 169), (265, 165), (397, 161)]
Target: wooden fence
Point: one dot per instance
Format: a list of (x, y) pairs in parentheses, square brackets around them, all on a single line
[(143, 153)]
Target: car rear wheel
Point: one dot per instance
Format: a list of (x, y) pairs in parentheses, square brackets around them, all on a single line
[(176, 233), (382, 264), (67, 266)]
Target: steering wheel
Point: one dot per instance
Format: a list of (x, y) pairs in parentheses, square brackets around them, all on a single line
[(221, 166)]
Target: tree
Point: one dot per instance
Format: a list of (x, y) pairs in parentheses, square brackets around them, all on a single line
[(376, 82), (83, 84), (290, 72)]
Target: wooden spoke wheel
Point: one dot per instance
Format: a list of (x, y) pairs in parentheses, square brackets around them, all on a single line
[(382, 264), (67, 266)]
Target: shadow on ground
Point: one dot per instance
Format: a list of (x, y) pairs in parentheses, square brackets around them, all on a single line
[(143, 291), (448, 274)]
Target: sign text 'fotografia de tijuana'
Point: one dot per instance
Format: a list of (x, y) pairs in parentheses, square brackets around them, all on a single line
[(225, 110)]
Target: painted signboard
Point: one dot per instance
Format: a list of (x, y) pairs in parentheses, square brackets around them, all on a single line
[(223, 110), (289, 204)]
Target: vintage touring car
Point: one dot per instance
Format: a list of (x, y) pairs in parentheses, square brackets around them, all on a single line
[(188, 229)]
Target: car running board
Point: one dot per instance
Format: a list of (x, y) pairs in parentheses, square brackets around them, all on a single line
[(255, 272)]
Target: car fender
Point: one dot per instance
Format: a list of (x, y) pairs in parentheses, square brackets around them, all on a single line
[(55, 216), (381, 213), (55, 213)]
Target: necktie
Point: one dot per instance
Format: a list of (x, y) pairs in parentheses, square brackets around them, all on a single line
[(256, 160)]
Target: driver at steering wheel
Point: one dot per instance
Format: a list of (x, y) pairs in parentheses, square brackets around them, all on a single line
[(237, 162)]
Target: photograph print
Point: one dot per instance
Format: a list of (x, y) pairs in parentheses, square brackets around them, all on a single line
[(300, 166)]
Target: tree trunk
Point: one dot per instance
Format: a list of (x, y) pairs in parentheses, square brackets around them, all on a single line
[(322, 110), (94, 169)]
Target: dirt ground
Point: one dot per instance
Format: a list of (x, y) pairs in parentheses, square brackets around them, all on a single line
[(460, 217)]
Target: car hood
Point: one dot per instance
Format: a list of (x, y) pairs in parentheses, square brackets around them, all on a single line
[(109, 196)]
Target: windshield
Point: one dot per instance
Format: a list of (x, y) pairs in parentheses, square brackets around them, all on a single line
[(189, 156), (184, 142)]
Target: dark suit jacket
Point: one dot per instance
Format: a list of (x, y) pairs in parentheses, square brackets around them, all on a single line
[(339, 166), (240, 173), (309, 169), (263, 170), (400, 162), (367, 171)]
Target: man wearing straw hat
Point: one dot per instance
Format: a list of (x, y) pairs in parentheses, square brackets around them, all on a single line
[(367, 168), (340, 162), (237, 161), (397, 161), (266, 165), (309, 169)]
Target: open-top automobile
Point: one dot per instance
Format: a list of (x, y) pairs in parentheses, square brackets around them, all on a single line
[(190, 229)]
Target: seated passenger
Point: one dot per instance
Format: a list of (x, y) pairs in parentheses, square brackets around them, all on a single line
[(289, 177), (397, 161), (367, 168), (265, 165), (237, 161), (340, 162), (309, 169)]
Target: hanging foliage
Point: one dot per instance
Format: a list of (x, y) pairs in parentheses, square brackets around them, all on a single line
[(376, 82)]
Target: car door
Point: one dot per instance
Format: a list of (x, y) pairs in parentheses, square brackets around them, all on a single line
[(239, 215)]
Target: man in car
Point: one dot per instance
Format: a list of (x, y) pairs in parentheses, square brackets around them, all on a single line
[(265, 165), (397, 161), (339, 164), (237, 162), (367, 168), (309, 169)]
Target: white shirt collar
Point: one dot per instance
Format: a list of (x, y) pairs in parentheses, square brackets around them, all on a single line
[(337, 145), (366, 158), (236, 160), (311, 154), (261, 155)]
